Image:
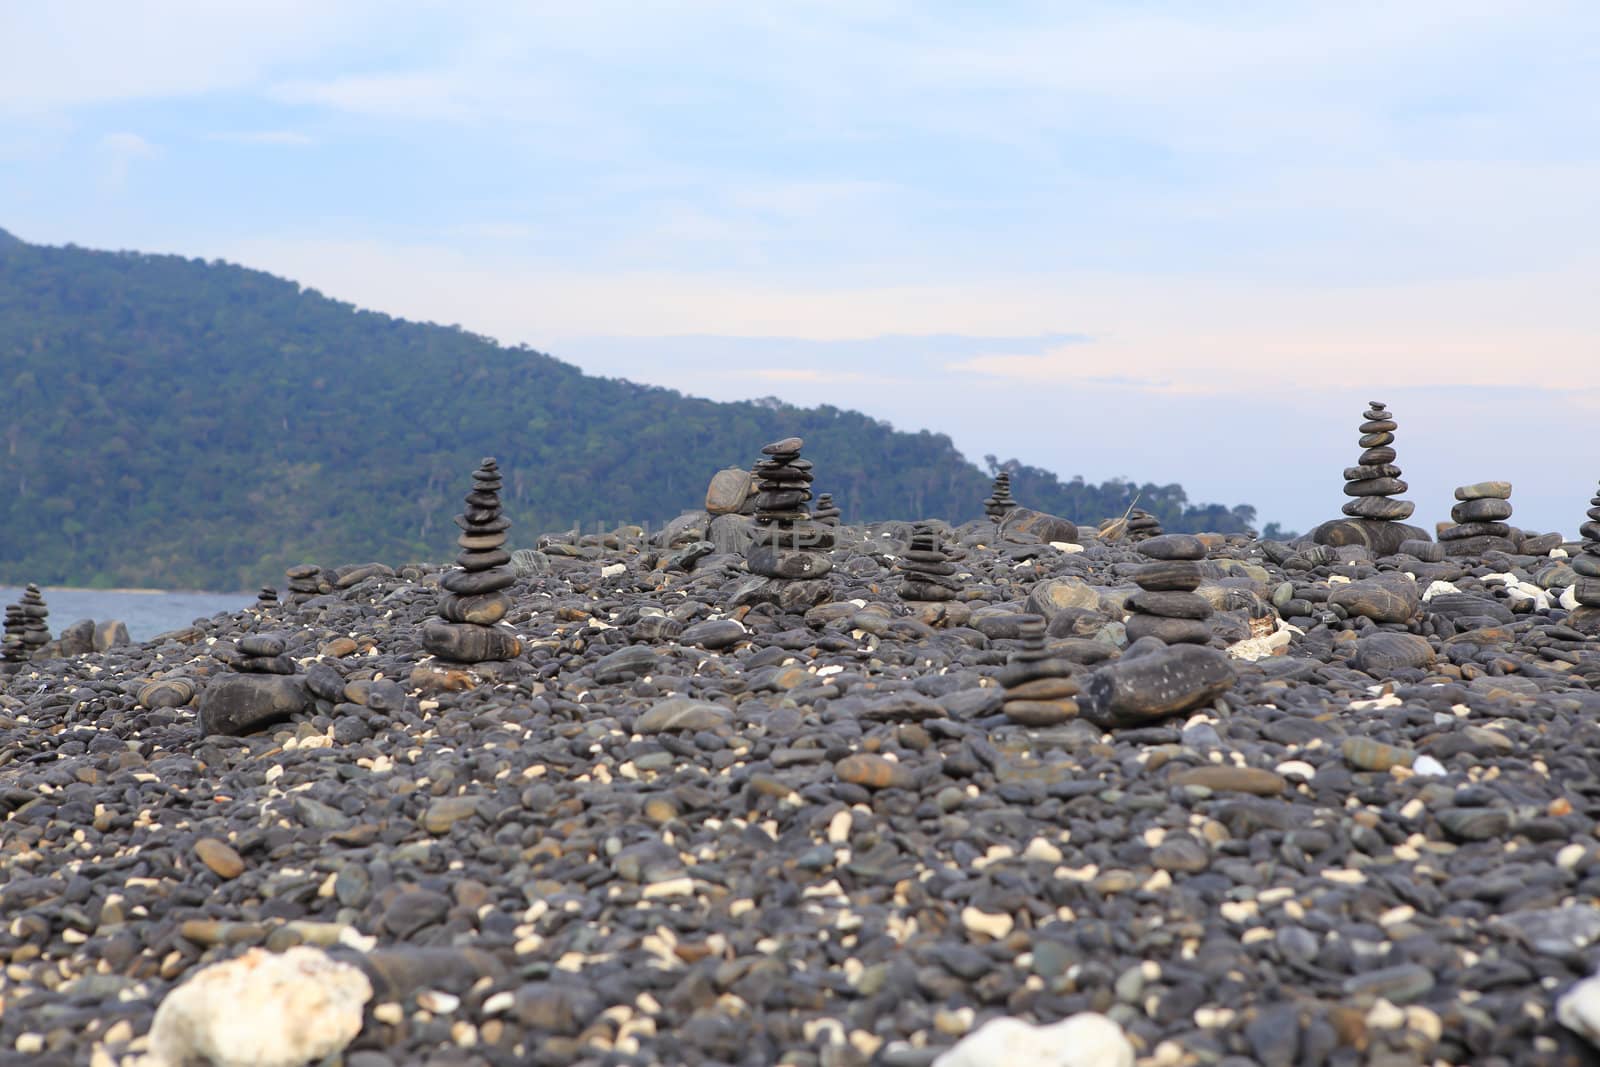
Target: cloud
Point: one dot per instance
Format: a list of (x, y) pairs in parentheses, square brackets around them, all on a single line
[(121, 151), (287, 138)]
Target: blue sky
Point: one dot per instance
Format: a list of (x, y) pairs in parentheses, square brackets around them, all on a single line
[(1174, 242)]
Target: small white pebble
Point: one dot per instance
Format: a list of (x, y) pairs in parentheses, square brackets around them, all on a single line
[(1427, 765)]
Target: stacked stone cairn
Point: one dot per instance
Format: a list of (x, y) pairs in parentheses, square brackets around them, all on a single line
[(267, 599), (1480, 516), (263, 688), (15, 652), (927, 573), (1000, 501), (1586, 590), (36, 632), (1142, 525), (1375, 518), (1166, 605), (1039, 687), (787, 543), (305, 582), (475, 597), (826, 512)]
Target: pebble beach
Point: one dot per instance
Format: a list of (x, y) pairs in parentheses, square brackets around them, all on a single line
[(1189, 800)]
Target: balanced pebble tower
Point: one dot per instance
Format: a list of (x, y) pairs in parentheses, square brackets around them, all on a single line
[(927, 573), (1000, 501), (475, 599), (15, 652), (1039, 687), (1586, 590), (1167, 606), (1374, 518), (36, 632), (1480, 516), (787, 543)]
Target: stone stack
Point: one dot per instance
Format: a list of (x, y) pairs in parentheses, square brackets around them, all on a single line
[(475, 597), (1039, 687), (927, 573), (267, 599), (15, 652), (1480, 521), (1167, 606), (1142, 525), (1375, 519), (36, 632), (826, 512), (1000, 501), (787, 543), (305, 582), (263, 689), (1586, 590)]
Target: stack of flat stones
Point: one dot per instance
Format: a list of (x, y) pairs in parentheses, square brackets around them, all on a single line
[(826, 512), (305, 582), (1000, 501), (1480, 516), (787, 543), (262, 690), (1375, 519), (15, 649), (1166, 605), (36, 632), (267, 599), (1142, 525), (1039, 687), (927, 571), (1586, 590), (475, 597)]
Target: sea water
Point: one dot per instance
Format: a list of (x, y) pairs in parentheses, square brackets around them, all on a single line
[(146, 612)]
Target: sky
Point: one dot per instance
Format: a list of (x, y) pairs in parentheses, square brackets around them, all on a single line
[(1171, 242)]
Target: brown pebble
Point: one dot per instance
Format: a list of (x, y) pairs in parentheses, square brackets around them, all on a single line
[(872, 772), (1370, 755), (340, 647), (224, 862), (1222, 779)]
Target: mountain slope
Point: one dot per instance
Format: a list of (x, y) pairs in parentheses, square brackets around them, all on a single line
[(172, 422)]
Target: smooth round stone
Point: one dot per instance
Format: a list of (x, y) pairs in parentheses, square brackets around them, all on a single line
[(1375, 487), (485, 609), (474, 583), (464, 642), (1426, 551), (1222, 778), (1474, 824), (714, 634), (220, 857), (1169, 576), (1181, 854), (1046, 527), (1463, 530), (1379, 599), (1384, 652), (1366, 754), (872, 771), (1379, 426), (263, 664), (1172, 547), (166, 693), (1043, 689), (925, 592), (786, 562), (1590, 531), (1585, 564), (784, 447), (1039, 713), (1141, 689), (1380, 470), (263, 645), (237, 704), (1481, 509), (1586, 591), (1171, 605), (1484, 491), (1375, 440), (445, 812), (481, 542), (1168, 631), (476, 561), (1379, 507), (679, 714), (1373, 457)]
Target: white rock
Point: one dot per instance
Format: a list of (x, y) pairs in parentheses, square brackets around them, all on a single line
[(1569, 598), (1579, 1010), (611, 570), (1084, 1040), (1427, 765), (1254, 648), (262, 1009), (1066, 546), (996, 925), (1435, 588)]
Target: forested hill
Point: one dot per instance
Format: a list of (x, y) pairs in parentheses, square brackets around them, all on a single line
[(175, 423)]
